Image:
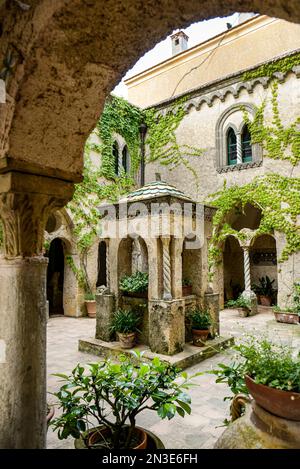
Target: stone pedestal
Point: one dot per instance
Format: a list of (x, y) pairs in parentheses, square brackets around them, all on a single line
[(251, 296), (166, 326), (105, 307), (258, 429), (212, 304), (23, 319)]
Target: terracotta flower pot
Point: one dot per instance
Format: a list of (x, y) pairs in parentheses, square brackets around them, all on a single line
[(200, 337), (127, 340), (187, 290), (284, 404), (101, 434), (265, 300), (288, 318), (147, 439), (91, 308)]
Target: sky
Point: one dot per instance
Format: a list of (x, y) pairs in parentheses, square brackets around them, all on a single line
[(197, 32)]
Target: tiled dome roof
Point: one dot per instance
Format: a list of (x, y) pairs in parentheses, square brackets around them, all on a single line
[(153, 190)]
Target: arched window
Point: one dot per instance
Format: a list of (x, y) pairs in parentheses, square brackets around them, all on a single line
[(231, 147), (246, 145), (116, 157), (125, 159)]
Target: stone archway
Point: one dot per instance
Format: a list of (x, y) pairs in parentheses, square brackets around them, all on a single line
[(63, 57), (263, 261)]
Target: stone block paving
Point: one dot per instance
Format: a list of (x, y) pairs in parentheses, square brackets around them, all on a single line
[(202, 428)]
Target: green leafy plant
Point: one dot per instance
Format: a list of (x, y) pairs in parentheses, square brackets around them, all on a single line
[(265, 286), (296, 298), (114, 394), (135, 283), (186, 282), (89, 297), (240, 302), (265, 362), (200, 320), (125, 321)]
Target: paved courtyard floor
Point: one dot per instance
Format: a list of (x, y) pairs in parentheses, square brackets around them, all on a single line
[(200, 429)]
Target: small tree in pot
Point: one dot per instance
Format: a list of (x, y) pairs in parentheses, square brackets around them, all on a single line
[(200, 321), (112, 395), (125, 324)]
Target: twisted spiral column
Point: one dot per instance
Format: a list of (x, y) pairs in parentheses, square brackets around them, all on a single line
[(239, 153), (247, 274), (107, 266), (166, 269)]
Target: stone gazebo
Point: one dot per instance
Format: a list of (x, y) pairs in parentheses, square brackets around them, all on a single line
[(159, 230)]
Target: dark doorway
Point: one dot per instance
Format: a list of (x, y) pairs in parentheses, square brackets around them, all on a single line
[(55, 277), (101, 280)]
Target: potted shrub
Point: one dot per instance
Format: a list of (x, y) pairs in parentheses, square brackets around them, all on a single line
[(90, 303), (187, 288), (125, 324), (288, 316), (264, 291), (135, 285), (242, 304), (269, 373), (112, 395), (200, 322)]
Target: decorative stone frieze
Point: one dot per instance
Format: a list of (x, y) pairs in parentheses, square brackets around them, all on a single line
[(239, 167)]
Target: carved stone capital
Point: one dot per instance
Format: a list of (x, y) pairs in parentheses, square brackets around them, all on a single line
[(26, 202)]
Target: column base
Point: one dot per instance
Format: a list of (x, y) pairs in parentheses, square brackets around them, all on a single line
[(166, 326), (251, 296)]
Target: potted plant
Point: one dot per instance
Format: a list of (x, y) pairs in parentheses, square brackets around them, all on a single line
[(187, 288), (125, 324), (287, 316), (269, 373), (242, 304), (100, 402), (264, 290), (135, 285), (90, 303), (200, 322)]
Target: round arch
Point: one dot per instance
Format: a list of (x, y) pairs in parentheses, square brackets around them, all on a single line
[(72, 54)]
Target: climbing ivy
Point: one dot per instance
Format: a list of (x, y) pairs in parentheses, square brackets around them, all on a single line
[(283, 65), (278, 199), (162, 141), (122, 118), (278, 141)]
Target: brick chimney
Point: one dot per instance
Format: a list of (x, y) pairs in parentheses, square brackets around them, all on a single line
[(179, 42)]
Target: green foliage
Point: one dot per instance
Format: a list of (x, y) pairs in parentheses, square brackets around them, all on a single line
[(240, 302), (125, 321), (162, 141), (89, 297), (265, 287), (114, 394), (135, 283), (119, 117), (200, 320), (186, 282), (267, 70), (296, 298), (278, 141), (265, 362), (278, 199)]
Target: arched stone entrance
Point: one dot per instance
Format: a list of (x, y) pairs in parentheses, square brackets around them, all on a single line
[(55, 277), (263, 261)]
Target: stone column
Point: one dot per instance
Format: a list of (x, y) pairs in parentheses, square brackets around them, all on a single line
[(26, 202), (107, 265), (248, 293), (167, 295), (166, 326), (239, 151), (105, 307)]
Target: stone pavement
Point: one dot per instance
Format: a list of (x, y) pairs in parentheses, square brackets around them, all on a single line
[(198, 430)]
